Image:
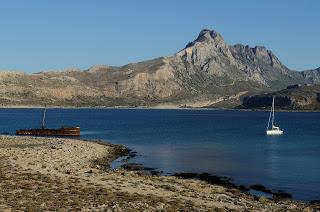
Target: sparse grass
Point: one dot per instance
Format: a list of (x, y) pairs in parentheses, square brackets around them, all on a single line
[(41, 192)]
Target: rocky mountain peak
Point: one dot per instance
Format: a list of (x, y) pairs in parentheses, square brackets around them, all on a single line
[(209, 36), (256, 54), (312, 76), (265, 54), (260, 50), (206, 34), (209, 53)]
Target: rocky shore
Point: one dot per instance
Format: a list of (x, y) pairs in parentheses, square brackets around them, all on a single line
[(39, 174)]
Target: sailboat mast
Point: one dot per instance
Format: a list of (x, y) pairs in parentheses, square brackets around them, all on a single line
[(273, 111), (43, 118)]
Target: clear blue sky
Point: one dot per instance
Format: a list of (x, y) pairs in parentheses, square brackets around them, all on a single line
[(40, 35)]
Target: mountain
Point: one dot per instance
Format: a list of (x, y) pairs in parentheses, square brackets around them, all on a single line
[(206, 73), (297, 97), (312, 76)]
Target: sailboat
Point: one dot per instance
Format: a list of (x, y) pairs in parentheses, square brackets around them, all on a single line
[(43, 131), (274, 129)]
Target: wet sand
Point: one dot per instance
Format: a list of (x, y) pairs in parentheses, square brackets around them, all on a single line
[(66, 174)]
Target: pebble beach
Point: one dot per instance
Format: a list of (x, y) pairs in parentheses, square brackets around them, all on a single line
[(46, 174)]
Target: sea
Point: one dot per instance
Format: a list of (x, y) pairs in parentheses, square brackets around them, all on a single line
[(226, 143)]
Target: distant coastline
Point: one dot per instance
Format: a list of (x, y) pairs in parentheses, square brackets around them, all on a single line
[(154, 108)]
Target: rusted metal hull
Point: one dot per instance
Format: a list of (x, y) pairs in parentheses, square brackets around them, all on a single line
[(64, 131)]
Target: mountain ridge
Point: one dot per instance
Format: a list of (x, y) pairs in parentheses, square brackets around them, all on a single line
[(206, 73)]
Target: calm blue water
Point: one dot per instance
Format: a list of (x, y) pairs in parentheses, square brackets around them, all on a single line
[(226, 143)]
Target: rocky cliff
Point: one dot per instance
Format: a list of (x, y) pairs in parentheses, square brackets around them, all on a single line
[(206, 73), (297, 97), (312, 76)]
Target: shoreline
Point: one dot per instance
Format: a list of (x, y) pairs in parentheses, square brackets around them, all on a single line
[(224, 181), (160, 108), (56, 173)]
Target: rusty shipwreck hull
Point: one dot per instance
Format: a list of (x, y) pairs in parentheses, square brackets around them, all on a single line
[(64, 131)]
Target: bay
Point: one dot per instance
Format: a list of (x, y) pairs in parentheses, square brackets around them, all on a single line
[(224, 143)]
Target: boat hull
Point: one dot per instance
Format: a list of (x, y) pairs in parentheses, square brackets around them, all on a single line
[(64, 131), (274, 132)]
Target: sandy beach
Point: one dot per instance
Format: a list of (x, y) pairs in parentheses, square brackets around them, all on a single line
[(65, 174)]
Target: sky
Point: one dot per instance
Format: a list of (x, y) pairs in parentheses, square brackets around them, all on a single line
[(43, 35)]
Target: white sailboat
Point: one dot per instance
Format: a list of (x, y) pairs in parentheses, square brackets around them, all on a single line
[(274, 129)]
